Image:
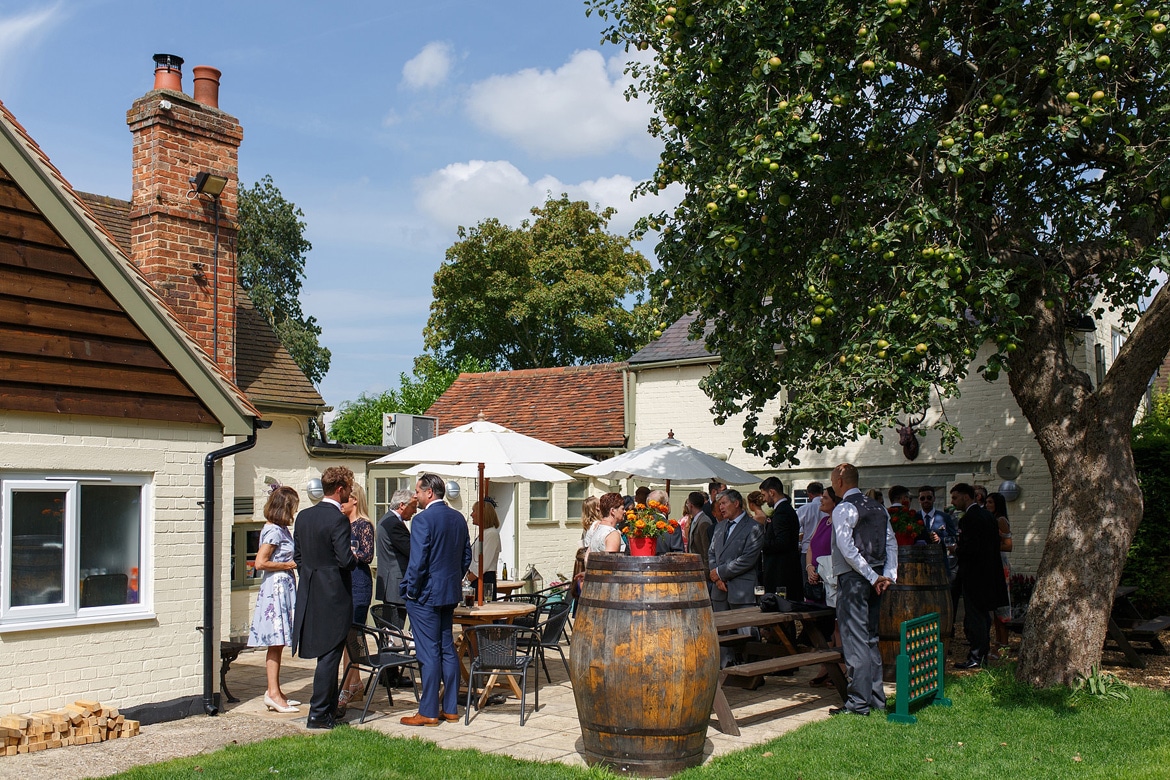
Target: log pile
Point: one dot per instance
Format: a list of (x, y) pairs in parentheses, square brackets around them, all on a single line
[(80, 723)]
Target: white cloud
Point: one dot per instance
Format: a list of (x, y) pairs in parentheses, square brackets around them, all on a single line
[(430, 67), (577, 110), (468, 193), (20, 31)]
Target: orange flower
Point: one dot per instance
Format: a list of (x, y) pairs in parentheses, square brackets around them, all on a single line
[(660, 525), (640, 523)]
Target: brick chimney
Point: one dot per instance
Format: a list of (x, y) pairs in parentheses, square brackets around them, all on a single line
[(172, 228)]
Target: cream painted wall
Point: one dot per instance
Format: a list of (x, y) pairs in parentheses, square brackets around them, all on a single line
[(138, 661)]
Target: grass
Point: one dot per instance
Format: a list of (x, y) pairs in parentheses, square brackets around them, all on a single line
[(996, 728)]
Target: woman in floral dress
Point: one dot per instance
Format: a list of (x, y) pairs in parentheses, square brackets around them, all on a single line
[(272, 621)]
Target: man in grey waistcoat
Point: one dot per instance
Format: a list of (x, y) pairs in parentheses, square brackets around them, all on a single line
[(865, 562)]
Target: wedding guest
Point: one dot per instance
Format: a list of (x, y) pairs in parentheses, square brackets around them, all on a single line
[(272, 620), (996, 504), (361, 543), (488, 545)]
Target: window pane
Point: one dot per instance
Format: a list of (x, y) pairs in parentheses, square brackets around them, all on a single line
[(38, 548), (110, 550), (576, 498), (538, 501), (253, 547)]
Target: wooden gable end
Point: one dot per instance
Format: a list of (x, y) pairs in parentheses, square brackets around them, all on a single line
[(66, 346)]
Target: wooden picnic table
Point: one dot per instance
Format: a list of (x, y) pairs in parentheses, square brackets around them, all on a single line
[(1127, 626), (488, 612), (776, 655)]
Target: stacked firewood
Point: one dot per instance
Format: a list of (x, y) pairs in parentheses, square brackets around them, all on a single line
[(80, 723)]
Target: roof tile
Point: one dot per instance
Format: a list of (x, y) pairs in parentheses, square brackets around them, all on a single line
[(575, 407)]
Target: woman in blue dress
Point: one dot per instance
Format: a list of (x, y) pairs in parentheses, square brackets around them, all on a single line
[(272, 621)]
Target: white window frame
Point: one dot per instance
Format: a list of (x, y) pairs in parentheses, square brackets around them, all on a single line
[(546, 500), (570, 499), (69, 613), (240, 554)]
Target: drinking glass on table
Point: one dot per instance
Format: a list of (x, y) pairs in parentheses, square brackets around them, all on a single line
[(759, 593)]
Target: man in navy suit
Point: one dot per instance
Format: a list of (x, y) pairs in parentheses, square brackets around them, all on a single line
[(440, 554), (324, 609)]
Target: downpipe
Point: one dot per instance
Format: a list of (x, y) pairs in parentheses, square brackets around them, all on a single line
[(210, 586)]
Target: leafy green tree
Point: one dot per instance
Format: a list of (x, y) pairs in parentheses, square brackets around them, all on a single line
[(876, 189), (1145, 566), (549, 293), (271, 254), (360, 421)]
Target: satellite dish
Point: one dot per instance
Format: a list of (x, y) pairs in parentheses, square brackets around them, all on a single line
[(1008, 467)]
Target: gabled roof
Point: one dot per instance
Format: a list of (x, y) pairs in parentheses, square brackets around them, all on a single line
[(575, 407), (53, 200), (265, 370), (675, 345)]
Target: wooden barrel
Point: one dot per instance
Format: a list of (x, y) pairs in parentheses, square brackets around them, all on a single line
[(923, 587), (644, 662)]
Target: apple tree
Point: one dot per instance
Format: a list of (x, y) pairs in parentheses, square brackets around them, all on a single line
[(877, 189), (551, 292)]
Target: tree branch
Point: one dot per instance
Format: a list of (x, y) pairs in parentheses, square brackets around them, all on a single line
[(1144, 350)]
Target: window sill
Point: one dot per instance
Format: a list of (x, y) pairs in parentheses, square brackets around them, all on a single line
[(43, 624), (254, 585), (545, 523)]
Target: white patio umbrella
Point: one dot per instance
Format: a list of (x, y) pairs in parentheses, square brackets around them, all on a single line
[(480, 445), (669, 460), (493, 472)]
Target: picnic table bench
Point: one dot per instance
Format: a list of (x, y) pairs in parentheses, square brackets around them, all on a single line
[(778, 655), (1126, 626)]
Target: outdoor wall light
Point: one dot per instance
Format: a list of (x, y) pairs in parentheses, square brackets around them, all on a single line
[(452, 489), (315, 490), (1009, 489), (209, 183)]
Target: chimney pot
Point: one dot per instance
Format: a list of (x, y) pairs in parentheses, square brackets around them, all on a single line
[(168, 72), (206, 85)]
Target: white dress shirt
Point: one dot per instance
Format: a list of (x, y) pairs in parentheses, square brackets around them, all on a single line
[(809, 515), (844, 521)]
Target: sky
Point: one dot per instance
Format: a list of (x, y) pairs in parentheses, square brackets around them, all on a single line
[(389, 124)]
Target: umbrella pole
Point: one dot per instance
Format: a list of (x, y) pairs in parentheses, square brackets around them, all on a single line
[(479, 577)]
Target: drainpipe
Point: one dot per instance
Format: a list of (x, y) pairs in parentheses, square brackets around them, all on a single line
[(210, 587)]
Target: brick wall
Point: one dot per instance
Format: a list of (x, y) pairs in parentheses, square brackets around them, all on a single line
[(135, 661), (173, 236)]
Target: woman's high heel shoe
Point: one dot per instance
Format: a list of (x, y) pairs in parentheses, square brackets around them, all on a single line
[(271, 704)]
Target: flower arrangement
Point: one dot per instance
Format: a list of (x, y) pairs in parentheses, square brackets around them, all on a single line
[(906, 521), (648, 521)]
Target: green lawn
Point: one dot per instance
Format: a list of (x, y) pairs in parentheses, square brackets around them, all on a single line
[(995, 729)]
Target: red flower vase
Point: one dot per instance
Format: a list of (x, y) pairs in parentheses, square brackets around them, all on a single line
[(906, 539), (643, 545)]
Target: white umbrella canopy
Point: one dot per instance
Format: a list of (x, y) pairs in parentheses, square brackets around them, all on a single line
[(481, 447), (671, 461), (496, 472), (487, 443)]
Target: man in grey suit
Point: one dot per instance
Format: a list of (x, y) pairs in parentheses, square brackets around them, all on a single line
[(733, 559), (394, 553)]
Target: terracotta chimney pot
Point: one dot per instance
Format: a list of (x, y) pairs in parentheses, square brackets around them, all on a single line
[(168, 72), (206, 85)]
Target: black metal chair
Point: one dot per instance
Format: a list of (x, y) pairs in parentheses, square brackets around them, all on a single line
[(377, 651), (387, 616), (549, 629), (537, 600), (503, 650)]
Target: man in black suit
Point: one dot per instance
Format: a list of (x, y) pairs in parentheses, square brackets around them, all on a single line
[(324, 609), (781, 549), (980, 572), (394, 553)]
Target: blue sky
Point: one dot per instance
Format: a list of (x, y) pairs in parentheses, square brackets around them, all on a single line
[(388, 123)]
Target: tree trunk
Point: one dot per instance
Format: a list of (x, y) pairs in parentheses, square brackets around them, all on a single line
[(1097, 506), (1085, 435)]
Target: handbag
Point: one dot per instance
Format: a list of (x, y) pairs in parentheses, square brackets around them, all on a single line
[(771, 602)]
